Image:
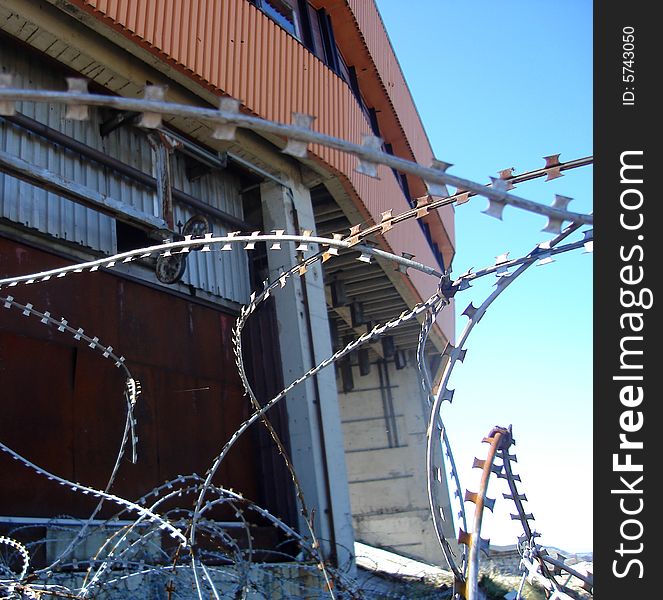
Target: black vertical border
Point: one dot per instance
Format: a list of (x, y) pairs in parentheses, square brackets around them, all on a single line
[(620, 127)]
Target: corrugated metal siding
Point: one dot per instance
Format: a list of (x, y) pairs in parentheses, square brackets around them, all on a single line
[(389, 70), (379, 47), (245, 54), (33, 207), (130, 146), (217, 272), (222, 274), (240, 51), (217, 188)]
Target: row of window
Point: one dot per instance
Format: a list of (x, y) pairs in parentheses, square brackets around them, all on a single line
[(313, 28)]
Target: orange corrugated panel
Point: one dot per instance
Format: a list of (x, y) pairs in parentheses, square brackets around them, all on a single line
[(134, 10), (126, 12), (306, 83), (381, 52), (279, 73), (197, 46), (211, 46), (261, 66), (253, 51), (201, 53), (284, 78), (110, 7), (182, 30), (152, 24), (194, 35), (272, 75), (379, 47), (296, 77), (224, 46), (162, 21), (284, 74), (242, 42), (121, 10), (197, 35), (231, 79), (211, 38), (243, 53), (292, 73), (101, 6), (170, 38), (171, 42)]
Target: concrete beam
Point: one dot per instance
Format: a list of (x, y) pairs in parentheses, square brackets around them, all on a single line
[(314, 421)]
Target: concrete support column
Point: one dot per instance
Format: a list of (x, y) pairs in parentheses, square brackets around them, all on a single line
[(314, 421)]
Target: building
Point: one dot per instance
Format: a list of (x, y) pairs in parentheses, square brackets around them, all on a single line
[(74, 190)]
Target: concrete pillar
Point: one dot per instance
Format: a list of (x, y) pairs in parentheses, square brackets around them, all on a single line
[(314, 421)]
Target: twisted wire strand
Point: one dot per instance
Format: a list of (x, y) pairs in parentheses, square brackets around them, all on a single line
[(474, 314), (377, 331), (239, 362), (184, 246), (434, 305), (160, 499), (533, 553), (368, 153), (426, 383), (498, 196), (77, 487), (226, 496), (132, 390), (20, 550)]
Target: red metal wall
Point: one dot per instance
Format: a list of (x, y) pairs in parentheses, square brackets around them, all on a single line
[(62, 404)]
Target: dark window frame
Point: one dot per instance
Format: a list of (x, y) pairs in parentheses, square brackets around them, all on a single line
[(329, 47), (270, 10)]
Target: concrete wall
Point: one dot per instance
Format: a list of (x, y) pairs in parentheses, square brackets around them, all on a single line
[(384, 426)]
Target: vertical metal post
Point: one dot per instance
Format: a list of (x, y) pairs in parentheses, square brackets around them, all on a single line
[(499, 438), (162, 148)]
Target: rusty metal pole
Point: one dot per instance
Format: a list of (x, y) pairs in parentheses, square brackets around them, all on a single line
[(499, 438), (163, 148)]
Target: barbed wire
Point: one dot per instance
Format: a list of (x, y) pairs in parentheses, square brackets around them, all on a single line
[(194, 566), (535, 561), (227, 118)]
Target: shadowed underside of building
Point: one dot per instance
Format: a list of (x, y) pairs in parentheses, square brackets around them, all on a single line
[(349, 430)]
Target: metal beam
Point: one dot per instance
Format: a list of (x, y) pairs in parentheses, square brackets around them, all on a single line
[(45, 179), (343, 313), (357, 289), (65, 141)]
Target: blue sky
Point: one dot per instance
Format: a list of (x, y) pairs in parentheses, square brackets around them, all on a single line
[(499, 85)]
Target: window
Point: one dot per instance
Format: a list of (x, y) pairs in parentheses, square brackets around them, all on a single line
[(281, 12), (318, 36), (329, 49), (312, 37)]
